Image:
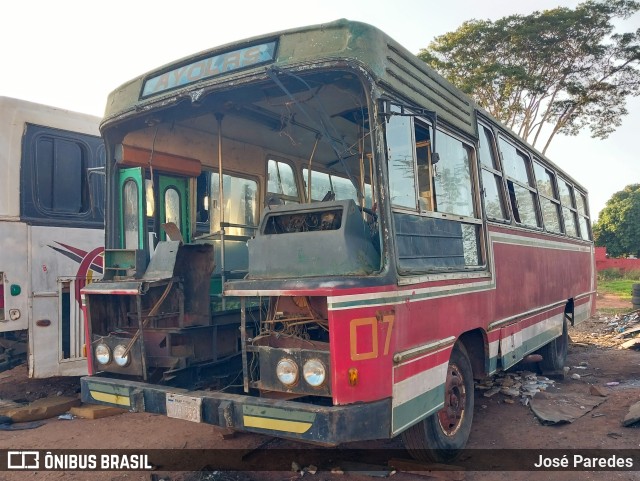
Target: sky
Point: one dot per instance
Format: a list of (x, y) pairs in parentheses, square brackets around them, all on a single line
[(72, 53)]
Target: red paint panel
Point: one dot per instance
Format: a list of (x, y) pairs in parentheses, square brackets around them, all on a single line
[(416, 366), (374, 367), (526, 278)]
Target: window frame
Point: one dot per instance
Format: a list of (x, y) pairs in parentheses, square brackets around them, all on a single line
[(586, 216), (283, 197), (92, 187), (464, 220), (556, 200), (204, 227), (573, 208), (497, 174), (526, 156)]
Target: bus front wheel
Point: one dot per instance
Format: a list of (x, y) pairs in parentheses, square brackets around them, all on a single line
[(440, 437)]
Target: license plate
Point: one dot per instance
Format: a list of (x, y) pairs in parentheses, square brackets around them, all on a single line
[(188, 408)]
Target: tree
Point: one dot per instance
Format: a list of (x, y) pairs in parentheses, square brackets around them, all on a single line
[(547, 73), (618, 227)]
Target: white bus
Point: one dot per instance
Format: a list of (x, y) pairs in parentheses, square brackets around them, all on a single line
[(51, 233)]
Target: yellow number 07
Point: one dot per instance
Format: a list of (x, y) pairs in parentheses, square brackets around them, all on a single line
[(372, 322)]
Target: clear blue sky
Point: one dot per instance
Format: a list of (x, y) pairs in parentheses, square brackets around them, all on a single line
[(72, 53)]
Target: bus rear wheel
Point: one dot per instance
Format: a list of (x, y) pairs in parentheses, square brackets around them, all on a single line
[(440, 437), (554, 354)]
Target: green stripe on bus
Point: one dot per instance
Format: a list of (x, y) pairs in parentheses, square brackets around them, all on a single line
[(277, 413), (532, 344), (402, 297), (417, 408), (108, 388)]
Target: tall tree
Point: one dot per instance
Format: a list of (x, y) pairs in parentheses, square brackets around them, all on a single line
[(618, 226), (547, 73)]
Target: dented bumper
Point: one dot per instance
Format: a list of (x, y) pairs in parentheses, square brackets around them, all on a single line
[(329, 425)]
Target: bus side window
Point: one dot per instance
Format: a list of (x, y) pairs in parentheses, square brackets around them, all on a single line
[(281, 185), (522, 193), (583, 215), (492, 185), (549, 202), (569, 211), (426, 199), (400, 155)]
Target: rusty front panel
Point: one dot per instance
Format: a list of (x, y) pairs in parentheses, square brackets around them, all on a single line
[(194, 266)]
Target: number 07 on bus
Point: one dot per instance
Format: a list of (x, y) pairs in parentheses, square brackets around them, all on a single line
[(329, 238)]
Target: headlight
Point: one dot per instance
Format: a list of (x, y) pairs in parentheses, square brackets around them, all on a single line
[(120, 360), (314, 372), (287, 371), (103, 354)]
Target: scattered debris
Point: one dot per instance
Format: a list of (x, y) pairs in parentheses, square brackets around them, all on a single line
[(523, 384), (442, 471), (563, 408), (633, 416), (575, 376), (614, 435), (95, 411), (367, 469), (613, 383), (66, 417), (598, 391), (311, 469), (41, 409), (614, 331)]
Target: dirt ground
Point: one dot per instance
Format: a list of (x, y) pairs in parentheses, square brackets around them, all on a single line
[(498, 422)]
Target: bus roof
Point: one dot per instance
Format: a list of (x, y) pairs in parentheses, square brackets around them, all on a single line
[(357, 43), (395, 70)]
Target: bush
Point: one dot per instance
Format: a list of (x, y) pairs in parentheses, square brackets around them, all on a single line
[(633, 275), (610, 274)]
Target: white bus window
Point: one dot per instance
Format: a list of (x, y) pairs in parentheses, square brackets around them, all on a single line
[(568, 208), (492, 185), (130, 215), (402, 176), (282, 183), (323, 184), (549, 202), (172, 206), (240, 203), (453, 182), (492, 188), (583, 216), (522, 192)]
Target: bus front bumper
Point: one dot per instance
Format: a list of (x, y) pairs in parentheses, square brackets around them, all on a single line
[(327, 425)]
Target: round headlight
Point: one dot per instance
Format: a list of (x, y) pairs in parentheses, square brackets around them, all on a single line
[(287, 371), (120, 360), (103, 353), (314, 372)]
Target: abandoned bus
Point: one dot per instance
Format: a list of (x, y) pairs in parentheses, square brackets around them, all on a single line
[(51, 234), (322, 239)]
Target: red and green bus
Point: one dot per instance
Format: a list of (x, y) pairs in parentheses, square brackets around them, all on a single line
[(311, 234)]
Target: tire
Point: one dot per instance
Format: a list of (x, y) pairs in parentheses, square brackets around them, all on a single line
[(440, 437), (635, 300), (554, 354), (635, 290)]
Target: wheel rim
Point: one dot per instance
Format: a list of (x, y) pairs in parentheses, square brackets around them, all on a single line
[(452, 414)]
